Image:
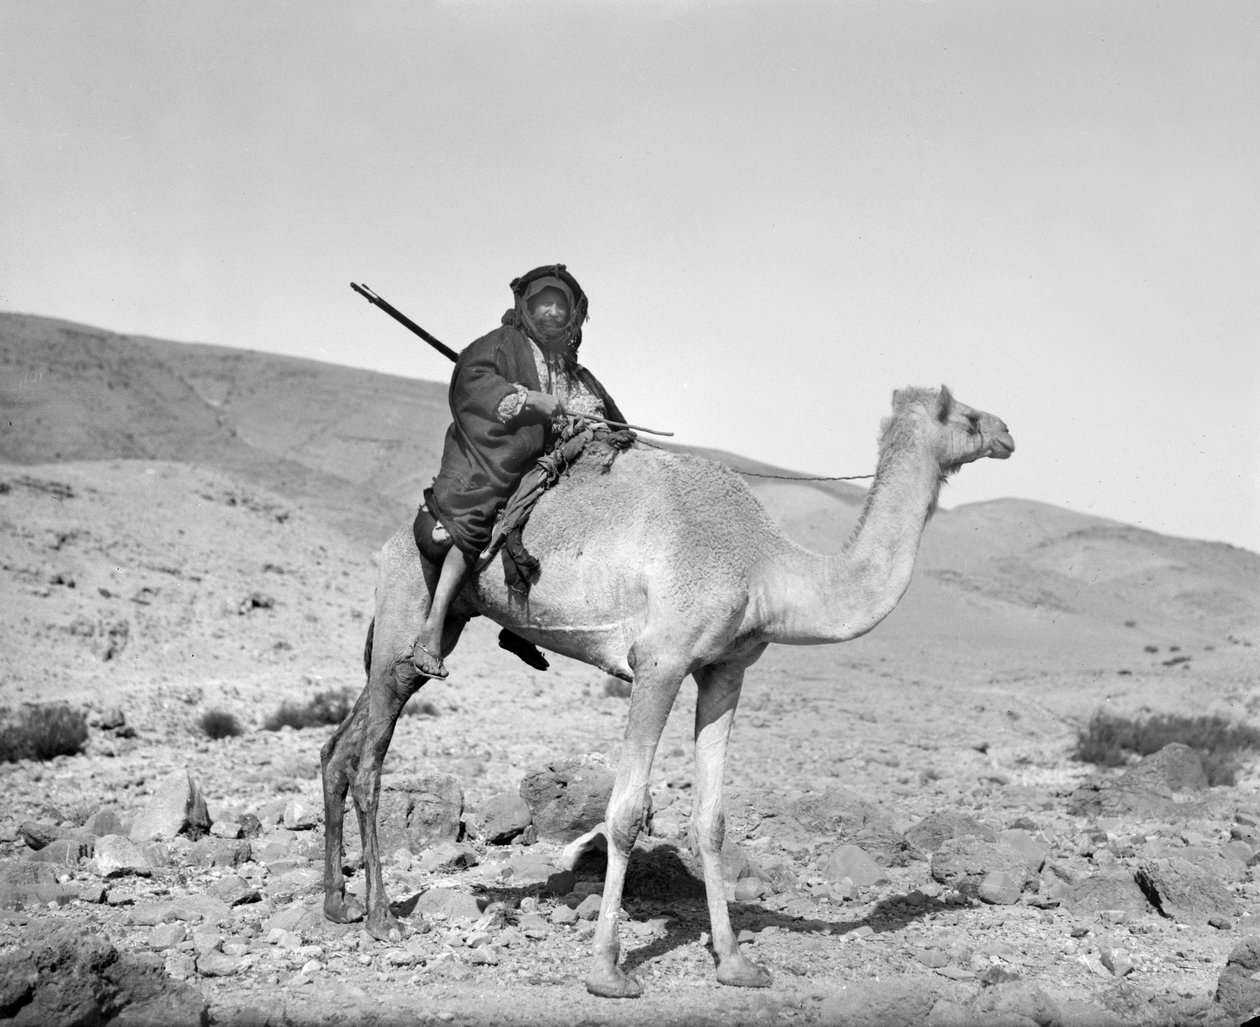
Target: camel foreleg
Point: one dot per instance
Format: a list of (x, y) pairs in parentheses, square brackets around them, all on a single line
[(655, 689), (716, 699)]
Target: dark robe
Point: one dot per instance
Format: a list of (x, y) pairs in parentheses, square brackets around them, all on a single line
[(483, 459)]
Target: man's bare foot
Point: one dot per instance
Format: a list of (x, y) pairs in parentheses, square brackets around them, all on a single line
[(427, 662)]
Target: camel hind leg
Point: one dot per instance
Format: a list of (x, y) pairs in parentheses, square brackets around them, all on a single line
[(351, 759)]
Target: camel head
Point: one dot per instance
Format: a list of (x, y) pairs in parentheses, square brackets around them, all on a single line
[(957, 433)]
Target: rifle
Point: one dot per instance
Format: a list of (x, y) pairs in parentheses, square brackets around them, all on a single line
[(404, 320), (451, 355)]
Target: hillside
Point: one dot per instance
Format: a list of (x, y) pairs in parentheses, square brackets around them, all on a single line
[(353, 449)]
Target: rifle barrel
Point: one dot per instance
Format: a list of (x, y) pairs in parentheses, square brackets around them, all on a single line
[(404, 320)]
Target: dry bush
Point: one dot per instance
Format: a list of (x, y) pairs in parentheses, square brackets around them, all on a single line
[(1110, 741), (42, 732), (322, 709), (420, 708), (216, 724)]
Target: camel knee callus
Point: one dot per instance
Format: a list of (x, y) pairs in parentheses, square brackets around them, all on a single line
[(722, 582)]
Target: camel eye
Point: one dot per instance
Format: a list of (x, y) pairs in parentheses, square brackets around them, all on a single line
[(973, 424)]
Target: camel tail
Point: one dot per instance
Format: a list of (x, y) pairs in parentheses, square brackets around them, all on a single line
[(367, 648)]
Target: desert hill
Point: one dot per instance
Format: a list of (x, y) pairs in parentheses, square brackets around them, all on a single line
[(353, 449)]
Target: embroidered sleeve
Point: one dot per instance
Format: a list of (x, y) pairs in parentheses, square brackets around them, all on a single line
[(511, 405)]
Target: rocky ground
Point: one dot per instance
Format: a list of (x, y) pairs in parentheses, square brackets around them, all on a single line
[(909, 838)]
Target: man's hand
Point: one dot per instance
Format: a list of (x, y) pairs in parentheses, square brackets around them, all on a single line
[(545, 404)]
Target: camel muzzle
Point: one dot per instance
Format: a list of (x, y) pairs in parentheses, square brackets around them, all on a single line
[(1000, 446)]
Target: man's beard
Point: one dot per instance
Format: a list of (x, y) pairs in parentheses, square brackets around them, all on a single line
[(551, 330)]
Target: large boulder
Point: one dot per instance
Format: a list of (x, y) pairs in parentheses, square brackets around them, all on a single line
[(842, 816), (966, 862), (567, 798), (68, 975), (501, 818), (1184, 892), (1238, 989), (1109, 889), (176, 807), (1175, 768), (936, 828), (417, 811)]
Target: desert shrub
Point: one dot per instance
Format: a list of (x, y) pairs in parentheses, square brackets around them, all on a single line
[(42, 732), (218, 724), (1110, 741), (328, 707), (420, 709)]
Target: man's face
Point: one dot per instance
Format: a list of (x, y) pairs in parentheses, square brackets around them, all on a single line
[(549, 311)]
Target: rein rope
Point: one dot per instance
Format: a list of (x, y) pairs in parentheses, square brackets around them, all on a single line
[(782, 477)]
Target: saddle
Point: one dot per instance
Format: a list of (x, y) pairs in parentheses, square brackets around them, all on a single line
[(520, 567)]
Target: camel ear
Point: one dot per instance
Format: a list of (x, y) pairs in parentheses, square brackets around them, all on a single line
[(946, 401)]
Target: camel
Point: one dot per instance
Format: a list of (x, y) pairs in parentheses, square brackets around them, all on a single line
[(664, 566)]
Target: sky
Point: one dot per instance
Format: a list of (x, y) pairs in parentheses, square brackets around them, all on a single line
[(781, 211)]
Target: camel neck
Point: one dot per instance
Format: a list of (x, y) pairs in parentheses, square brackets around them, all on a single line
[(806, 598)]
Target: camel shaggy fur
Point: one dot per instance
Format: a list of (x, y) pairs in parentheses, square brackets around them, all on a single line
[(663, 567)]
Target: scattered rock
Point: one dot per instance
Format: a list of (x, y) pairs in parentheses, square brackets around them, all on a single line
[(25, 885), (300, 815), (934, 829), (897, 1001), (1175, 768), (564, 915), (68, 975), (116, 855), (1183, 892), (999, 888), (64, 852), (844, 816), (176, 807), (218, 964), (1238, 988), (37, 834), (1034, 851), (106, 820), (234, 890), (219, 852), (964, 862), (502, 818), (1111, 889), (529, 871), (852, 861), (167, 936), (455, 905), (416, 812)]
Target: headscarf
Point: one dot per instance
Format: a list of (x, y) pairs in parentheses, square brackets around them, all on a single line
[(529, 285)]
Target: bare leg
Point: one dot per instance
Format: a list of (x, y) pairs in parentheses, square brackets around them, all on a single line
[(654, 693), (427, 655), (716, 699)]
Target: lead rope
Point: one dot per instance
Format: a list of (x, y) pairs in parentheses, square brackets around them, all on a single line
[(780, 477)]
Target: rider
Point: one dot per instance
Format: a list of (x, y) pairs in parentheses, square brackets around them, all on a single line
[(509, 394)]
